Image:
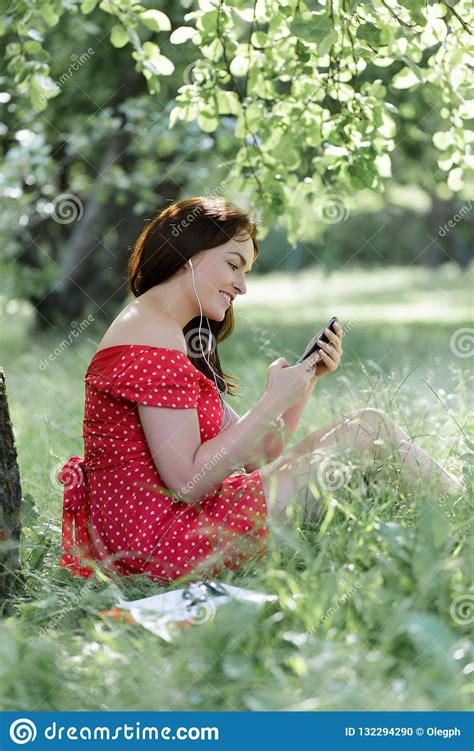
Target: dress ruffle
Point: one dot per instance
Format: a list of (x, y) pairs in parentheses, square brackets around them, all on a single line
[(76, 542)]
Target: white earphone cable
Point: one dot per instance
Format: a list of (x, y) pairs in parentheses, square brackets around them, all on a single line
[(224, 405)]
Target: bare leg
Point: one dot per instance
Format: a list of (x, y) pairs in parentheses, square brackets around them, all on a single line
[(375, 432), (364, 435)]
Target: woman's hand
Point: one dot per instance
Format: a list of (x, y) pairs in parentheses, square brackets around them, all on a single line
[(287, 384), (330, 354)]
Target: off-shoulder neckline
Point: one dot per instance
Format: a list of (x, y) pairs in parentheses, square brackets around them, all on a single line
[(149, 346), (152, 346)]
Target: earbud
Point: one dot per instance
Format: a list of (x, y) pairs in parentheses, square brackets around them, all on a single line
[(190, 262)]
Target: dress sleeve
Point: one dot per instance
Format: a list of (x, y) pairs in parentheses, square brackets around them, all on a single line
[(159, 378)]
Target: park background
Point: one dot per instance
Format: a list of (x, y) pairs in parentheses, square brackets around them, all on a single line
[(347, 126)]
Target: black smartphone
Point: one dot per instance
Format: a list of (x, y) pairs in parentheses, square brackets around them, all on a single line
[(312, 346)]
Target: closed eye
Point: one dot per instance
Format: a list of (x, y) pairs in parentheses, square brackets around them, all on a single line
[(232, 265)]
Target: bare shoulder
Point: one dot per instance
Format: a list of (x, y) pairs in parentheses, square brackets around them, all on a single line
[(140, 323)]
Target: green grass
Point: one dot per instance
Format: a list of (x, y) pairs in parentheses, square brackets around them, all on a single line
[(383, 623)]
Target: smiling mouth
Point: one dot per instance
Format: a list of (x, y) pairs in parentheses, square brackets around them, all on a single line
[(226, 297)]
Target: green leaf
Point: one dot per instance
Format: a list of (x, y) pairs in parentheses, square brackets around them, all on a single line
[(321, 27), (182, 34), (455, 181), (442, 139), (213, 51), (164, 66), (370, 33), (312, 27), (33, 48), (175, 115), (156, 20), (208, 22), (227, 102), (330, 510), (119, 36), (414, 67), (88, 6), (415, 8), (44, 85), (207, 122), (239, 65), (29, 511), (12, 49), (299, 28), (153, 83), (405, 79), (155, 61), (326, 44), (259, 39), (49, 14), (363, 172), (261, 85)]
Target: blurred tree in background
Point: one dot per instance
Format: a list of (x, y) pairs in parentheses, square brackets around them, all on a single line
[(346, 124)]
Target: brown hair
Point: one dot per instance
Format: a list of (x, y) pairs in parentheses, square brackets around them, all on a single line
[(173, 236)]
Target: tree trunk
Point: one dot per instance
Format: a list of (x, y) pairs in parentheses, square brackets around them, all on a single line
[(10, 503), (93, 275)]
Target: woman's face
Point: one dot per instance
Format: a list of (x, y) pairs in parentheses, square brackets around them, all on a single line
[(222, 270)]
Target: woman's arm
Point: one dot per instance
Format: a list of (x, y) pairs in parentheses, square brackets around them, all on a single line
[(292, 416), (275, 440), (270, 446), (189, 467)]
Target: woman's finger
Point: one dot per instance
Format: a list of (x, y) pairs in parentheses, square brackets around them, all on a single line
[(328, 348), (339, 330), (331, 364), (334, 338)]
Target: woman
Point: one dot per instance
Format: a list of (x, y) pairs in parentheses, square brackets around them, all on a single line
[(173, 482)]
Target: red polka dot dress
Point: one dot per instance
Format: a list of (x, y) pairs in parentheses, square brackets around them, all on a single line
[(117, 510)]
